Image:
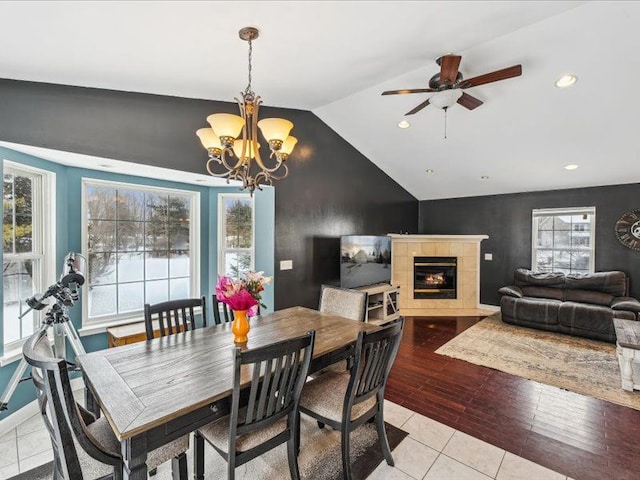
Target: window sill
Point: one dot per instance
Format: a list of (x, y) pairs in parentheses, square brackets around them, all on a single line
[(11, 356)]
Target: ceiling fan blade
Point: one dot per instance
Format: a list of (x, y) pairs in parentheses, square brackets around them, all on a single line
[(412, 90), (449, 68), (503, 74), (418, 108), (469, 102)]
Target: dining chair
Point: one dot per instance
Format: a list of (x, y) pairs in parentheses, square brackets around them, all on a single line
[(345, 302), (84, 446), (174, 316), (346, 400), (227, 316), (276, 374)]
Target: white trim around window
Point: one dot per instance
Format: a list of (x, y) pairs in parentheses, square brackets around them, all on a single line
[(585, 228), (100, 323), (44, 241)]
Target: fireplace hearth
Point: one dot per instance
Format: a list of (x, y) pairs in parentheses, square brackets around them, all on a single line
[(435, 277)]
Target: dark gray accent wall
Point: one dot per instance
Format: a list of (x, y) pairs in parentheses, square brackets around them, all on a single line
[(332, 189), (507, 221)]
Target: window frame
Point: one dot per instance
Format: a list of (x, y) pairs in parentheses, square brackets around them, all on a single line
[(98, 323), (222, 249), (553, 212), (44, 242)]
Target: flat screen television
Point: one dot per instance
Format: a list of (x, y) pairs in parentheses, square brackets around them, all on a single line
[(364, 260)]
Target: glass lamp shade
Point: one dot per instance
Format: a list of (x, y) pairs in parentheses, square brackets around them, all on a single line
[(226, 124), (238, 146), (445, 98), (275, 128), (208, 138), (288, 144)]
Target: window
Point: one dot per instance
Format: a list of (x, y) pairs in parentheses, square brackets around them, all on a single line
[(563, 240), (141, 247), (28, 246), (235, 234)]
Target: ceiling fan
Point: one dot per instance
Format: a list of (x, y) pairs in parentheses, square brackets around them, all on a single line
[(449, 83)]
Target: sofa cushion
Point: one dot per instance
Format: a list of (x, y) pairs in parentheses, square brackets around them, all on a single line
[(543, 292), (588, 296), (536, 311), (511, 290), (580, 317), (522, 276), (614, 283)]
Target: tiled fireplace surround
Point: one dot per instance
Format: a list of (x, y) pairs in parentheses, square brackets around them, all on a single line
[(467, 250)]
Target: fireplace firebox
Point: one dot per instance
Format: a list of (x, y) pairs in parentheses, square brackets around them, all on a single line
[(434, 277)]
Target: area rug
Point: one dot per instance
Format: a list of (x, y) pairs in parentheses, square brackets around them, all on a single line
[(320, 457), (579, 365)]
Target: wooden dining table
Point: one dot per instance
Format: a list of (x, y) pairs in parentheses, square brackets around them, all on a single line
[(156, 391)]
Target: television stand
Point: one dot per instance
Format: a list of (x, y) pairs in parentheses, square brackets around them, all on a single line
[(382, 303)]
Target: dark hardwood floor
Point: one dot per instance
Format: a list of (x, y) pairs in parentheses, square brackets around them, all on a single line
[(582, 437)]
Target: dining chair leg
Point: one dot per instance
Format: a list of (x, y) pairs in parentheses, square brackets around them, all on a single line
[(292, 456), (346, 466), (295, 431), (179, 467), (198, 456), (153, 471), (382, 435)]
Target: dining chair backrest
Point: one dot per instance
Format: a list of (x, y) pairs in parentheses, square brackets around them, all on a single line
[(227, 316), (277, 375), (63, 418), (345, 302), (373, 358), (174, 316)]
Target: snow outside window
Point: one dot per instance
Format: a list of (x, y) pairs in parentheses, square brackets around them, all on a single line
[(141, 247)]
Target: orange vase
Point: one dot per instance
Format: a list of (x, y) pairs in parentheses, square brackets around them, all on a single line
[(240, 326)]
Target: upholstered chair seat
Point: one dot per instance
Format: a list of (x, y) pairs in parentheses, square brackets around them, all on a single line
[(325, 396), (217, 434), (100, 431)]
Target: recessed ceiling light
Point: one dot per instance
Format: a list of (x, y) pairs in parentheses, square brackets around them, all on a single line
[(571, 167), (404, 124), (430, 171), (566, 81), (484, 177), (105, 165), (200, 180)]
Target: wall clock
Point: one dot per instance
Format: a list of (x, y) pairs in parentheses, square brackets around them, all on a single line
[(628, 229)]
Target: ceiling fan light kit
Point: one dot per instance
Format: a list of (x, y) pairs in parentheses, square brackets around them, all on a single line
[(447, 85), (232, 141), (566, 81)]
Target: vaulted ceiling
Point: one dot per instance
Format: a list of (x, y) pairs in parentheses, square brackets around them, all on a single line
[(335, 58)]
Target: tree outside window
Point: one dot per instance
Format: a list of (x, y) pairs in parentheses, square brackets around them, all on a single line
[(139, 247), (236, 234), (23, 249)]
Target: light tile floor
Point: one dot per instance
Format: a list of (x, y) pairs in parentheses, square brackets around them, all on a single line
[(432, 451)]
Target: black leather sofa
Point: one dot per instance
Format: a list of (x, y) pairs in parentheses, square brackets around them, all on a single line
[(577, 304)]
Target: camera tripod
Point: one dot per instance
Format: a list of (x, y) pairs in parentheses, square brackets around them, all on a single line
[(66, 294)]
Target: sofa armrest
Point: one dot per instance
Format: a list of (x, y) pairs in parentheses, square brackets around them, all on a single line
[(511, 291), (626, 303)]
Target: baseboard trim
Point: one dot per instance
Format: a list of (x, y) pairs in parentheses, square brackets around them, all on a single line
[(493, 308), (29, 410)]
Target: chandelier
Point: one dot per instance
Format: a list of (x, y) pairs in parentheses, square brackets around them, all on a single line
[(232, 141)]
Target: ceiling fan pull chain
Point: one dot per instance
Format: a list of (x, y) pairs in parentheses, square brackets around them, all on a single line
[(445, 122)]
